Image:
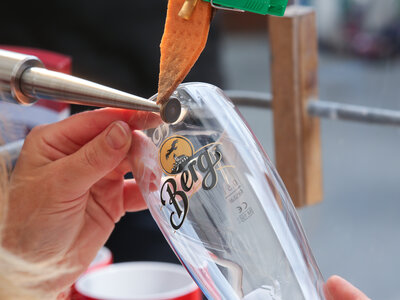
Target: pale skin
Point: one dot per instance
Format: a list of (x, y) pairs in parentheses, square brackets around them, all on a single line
[(336, 288), (68, 190)]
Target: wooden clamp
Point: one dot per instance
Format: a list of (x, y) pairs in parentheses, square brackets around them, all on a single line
[(294, 70)]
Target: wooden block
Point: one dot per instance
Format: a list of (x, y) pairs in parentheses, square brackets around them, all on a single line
[(294, 70)]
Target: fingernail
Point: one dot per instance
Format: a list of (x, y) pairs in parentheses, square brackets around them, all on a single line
[(117, 136)]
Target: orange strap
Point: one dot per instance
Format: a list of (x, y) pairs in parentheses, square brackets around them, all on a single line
[(181, 45)]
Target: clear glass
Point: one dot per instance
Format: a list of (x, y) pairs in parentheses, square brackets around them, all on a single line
[(222, 206)]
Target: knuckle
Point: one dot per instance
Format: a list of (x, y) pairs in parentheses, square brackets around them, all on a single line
[(34, 135), (92, 157), (37, 130)]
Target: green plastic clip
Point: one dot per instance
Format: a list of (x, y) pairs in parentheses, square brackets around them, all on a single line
[(263, 7)]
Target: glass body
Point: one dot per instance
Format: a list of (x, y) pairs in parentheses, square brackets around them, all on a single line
[(222, 206)]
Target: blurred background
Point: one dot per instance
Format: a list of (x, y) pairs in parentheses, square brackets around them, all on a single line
[(355, 231)]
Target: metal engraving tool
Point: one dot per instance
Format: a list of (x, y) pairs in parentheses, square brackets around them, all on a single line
[(24, 80)]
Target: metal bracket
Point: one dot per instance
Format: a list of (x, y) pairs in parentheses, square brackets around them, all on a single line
[(217, 6)]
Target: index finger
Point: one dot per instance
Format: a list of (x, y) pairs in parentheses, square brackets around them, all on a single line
[(336, 288), (83, 127)]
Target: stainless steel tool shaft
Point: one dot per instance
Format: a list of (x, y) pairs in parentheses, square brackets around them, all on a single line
[(24, 80), (40, 83)]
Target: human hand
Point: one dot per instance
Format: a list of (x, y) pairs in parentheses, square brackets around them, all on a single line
[(336, 288), (68, 190)]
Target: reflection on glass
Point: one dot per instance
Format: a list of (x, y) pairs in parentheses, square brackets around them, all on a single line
[(222, 206)]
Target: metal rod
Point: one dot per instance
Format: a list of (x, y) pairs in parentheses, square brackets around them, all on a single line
[(247, 98), (41, 83), (24, 80), (340, 111), (324, 109)]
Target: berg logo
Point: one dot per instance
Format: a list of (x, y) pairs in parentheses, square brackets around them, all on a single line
[(186, 168), (174, 153)]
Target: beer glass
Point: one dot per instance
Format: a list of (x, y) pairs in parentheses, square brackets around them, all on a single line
[(222, 206)]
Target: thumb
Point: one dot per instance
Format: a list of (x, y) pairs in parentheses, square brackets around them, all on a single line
[(80, 170)]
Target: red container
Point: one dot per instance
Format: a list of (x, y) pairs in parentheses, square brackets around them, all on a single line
[(137, 281)]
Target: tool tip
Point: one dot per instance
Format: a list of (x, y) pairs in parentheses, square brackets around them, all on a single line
[(171, 110)]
